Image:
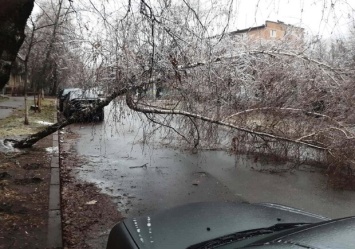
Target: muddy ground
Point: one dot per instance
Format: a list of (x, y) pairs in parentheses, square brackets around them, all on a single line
[(24, 186), (24, 191), (24, 179), (87, 215)]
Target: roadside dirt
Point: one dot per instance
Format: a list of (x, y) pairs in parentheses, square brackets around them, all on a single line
[(24, 180), (87, 215), (24, 186), (24, 192)]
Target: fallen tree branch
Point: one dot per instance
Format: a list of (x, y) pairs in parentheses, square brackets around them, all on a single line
[(134, 106), (299, 56), (295, 110), (165, 125), (267, 52), (34, 138), (78, 116), (324, 131), (141, 166)]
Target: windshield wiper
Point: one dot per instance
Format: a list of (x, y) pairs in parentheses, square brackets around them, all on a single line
[(245, 235)]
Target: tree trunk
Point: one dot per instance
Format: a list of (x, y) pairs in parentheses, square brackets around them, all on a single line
[(39, 99), (26, 122), (13, 17), (49, 50), (34, 138)]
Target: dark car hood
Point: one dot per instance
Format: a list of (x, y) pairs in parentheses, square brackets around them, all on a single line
[(333, 234), (338, 233), (190, 224)]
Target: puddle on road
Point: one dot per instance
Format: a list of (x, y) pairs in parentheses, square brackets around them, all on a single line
[(170, 176)]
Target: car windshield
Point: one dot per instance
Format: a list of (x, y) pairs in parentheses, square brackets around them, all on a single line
[(83, 94), (68, 90)]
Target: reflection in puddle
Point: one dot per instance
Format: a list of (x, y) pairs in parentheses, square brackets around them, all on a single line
[(168, 180)]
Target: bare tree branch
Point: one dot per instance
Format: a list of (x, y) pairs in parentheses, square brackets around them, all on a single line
[(134, 106)]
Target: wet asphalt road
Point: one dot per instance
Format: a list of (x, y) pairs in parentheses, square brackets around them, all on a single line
[(145, 178)]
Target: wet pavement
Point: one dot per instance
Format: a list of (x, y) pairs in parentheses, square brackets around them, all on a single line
[(12, 103), (144, 178)]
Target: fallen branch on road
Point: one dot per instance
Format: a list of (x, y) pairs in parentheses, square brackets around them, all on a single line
[(134, 106), (142, 166)]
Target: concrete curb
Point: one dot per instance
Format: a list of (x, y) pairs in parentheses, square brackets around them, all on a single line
[(54, 235)]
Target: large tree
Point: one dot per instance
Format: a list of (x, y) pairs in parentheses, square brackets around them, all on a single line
[(13, 18)]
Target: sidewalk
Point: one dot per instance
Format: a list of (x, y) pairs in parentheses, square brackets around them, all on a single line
[(12, 103)]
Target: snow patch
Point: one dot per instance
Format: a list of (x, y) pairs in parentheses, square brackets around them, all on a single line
[(7, 147), (44, 122), (52, 149)]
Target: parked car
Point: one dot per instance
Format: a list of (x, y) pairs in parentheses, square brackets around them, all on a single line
[(233, 225), (82, 101), (62, 95)]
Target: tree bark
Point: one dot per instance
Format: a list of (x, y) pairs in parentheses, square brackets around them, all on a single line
[(13, 17), (26, 122)]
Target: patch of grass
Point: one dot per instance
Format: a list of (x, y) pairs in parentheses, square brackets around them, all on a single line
[(13, 126), (3, 98)]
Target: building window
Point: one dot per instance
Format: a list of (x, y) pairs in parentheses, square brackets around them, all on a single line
[(272, 33)]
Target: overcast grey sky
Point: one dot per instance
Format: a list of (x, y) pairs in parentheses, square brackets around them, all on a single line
[(318, 17), (324, 18)]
